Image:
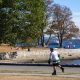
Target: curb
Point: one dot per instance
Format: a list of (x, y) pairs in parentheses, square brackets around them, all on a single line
[(34, 64)]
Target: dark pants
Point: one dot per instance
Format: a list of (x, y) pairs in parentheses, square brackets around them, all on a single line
[(56, 64)]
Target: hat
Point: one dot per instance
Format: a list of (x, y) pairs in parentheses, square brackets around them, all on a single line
[(51, 49)]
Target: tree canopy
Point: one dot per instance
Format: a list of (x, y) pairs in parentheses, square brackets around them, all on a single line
[(21, 19)]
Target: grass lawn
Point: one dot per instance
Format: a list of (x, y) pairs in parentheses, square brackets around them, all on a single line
[(11, 77), (28, 77)]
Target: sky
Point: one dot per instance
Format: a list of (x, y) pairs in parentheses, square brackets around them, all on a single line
[(74, 6)]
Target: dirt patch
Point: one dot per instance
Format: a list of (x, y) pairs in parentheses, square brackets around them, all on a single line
[(7, 48), (4, 48), (64, 53)]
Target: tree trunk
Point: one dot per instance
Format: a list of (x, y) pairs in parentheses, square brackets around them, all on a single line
[(48, 40), (60, 40), (38, 42), (60, 43), (42, 40)]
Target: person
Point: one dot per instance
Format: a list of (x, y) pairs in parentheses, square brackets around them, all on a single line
[(54, 58)]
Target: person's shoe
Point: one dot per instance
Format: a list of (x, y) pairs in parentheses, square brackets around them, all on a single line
[(54, 73), (62, 69)]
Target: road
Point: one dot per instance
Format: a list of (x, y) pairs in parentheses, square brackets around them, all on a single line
[(35, 68)]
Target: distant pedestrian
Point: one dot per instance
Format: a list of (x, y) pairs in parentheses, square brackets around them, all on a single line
[(54, 58)]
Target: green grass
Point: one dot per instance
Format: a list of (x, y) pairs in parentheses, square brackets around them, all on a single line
[(23, 77), (19, 77), (34, 72), (14, 71)]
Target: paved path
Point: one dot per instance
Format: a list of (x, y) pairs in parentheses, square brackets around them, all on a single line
[(40, 70)]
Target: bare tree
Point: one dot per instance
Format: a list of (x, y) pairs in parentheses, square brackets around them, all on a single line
[(48, 8), (62, 24), (48, 13)]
